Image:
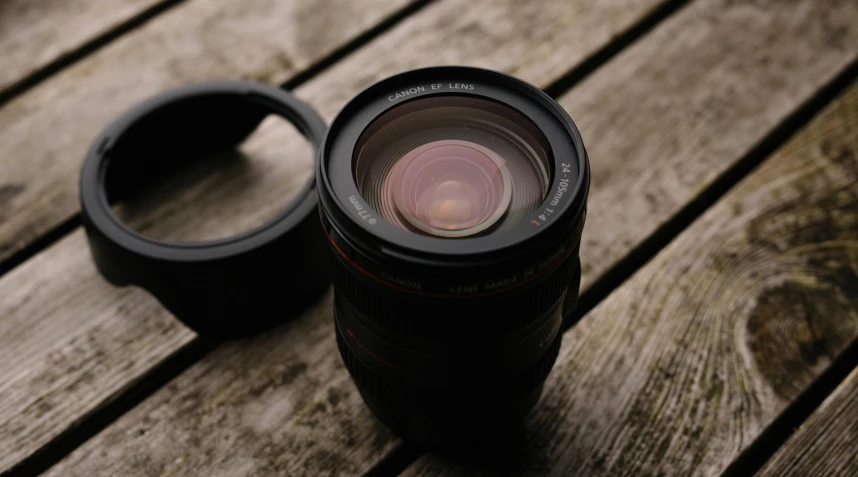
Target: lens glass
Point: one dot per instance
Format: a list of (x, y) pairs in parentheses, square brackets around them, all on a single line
[(452, 166)]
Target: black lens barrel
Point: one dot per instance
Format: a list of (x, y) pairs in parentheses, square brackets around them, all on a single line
[(444, 335), (508, 310)]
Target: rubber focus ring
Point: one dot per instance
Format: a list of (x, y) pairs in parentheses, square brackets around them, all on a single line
[(226, 288), (390, 392), (510, 313)]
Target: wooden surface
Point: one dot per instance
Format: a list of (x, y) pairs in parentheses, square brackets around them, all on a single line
[(68, 341), (292, 440), (197, 40), (677, 109), (46, 346), (34, 34), (680, 369), (827, 444), (247, 194), (676, 373), (436, 17)]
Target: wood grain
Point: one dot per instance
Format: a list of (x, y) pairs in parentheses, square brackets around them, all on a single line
[(61, 357), (460, 20), (725, 72), (34, 34), (827, 443), (340, 436), (683, 366), (198, 40)]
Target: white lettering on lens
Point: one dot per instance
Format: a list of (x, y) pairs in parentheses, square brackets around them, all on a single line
[(464, 289), (500, 283), (361, 211), (403, 282), (406, 92), (551, 259), (461, 86), (561, 189)]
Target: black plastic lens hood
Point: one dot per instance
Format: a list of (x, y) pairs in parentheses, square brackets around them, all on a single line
[(225, 288)]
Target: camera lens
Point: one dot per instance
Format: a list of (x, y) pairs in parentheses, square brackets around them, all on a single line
[(448, 165), (453, 199)]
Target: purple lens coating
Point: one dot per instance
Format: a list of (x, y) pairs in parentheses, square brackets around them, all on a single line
[(452, 166), (449, 188)]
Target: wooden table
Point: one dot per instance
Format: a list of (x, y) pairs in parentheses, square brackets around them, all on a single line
[(720, 289)]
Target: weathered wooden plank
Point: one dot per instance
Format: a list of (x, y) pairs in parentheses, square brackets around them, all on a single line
[(827, 444), (198, 40), (678, 371), (724, 84), (35, 34), (61, 356), (449, 19), (308, 431)]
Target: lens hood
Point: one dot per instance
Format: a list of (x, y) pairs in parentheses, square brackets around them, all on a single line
[(225, 288)]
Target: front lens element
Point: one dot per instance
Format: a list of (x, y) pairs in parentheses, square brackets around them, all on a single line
[(449, 188), (452, 166)]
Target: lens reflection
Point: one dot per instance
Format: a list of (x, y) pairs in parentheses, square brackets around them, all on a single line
[(449, 188), (452, 166)]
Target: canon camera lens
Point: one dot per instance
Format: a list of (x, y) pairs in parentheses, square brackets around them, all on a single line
[(454, 200)]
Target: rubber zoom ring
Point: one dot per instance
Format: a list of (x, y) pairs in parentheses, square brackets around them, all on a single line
[(395, 394), (508, 312)]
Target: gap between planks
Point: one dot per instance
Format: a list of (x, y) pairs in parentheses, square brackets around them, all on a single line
[(789, 432), (769, 271), (750, 460), (780, 99), (776, 434), (825, 444), (181, 358), (630, 14), (32, 70), (65, 227)]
